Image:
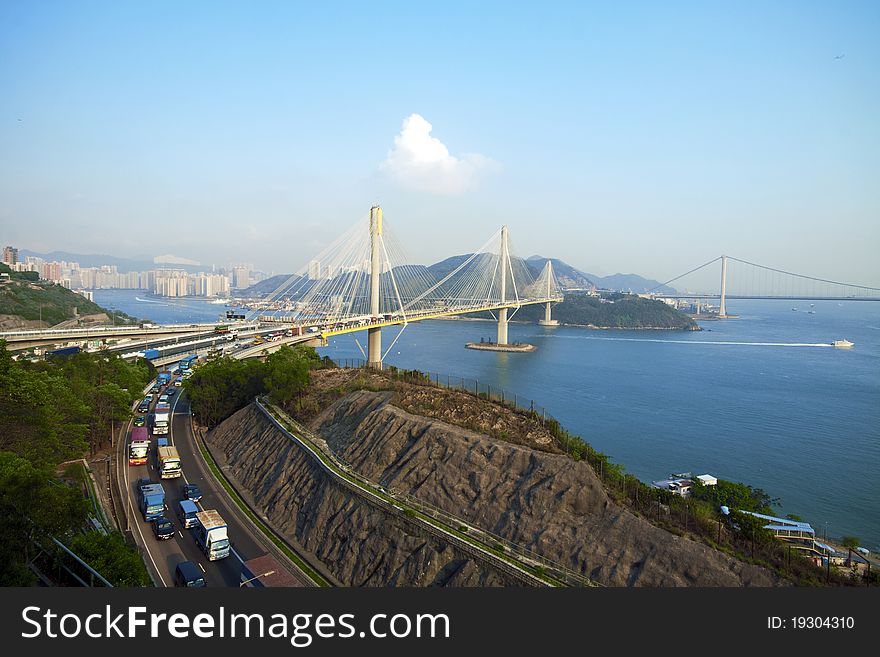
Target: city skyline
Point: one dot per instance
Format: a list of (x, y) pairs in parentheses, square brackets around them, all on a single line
[(646, 143)]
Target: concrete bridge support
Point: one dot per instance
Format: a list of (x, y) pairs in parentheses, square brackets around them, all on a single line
[(374, 340), (502, 326), (548, 319)]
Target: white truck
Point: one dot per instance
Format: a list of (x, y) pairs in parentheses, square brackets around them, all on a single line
[(210, 535), (168, 461), (161, 418)]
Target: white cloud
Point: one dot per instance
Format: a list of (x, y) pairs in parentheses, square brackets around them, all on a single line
[(422, 162)]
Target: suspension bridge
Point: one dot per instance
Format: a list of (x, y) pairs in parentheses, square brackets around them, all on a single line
[(741, 279), (364, 282)]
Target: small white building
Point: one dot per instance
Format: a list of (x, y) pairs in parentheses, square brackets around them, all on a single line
[(707, 479)]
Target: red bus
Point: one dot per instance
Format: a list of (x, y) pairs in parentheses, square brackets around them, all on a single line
[(139, 446)]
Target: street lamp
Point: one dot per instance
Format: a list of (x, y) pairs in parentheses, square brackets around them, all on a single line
[(266, 574)]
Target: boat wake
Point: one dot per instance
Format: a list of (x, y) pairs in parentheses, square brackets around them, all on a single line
[(159, 303), (713, 342)]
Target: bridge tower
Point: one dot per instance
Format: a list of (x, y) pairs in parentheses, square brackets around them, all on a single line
[(374, 339), (722, 310), (502, 314), (548, 272)]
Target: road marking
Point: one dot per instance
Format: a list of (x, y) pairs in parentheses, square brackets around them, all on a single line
[(180, 532), (171, 419), (202, 567), (137, 521)]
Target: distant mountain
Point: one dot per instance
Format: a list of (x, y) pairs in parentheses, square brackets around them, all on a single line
[(123, 265), (635, 284), (264, 287), (569, 278), (444, 267)]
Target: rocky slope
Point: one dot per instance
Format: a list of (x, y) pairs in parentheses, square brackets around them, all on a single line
[(546, 502), (361, 544)]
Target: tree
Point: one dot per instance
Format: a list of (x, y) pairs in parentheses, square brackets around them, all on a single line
[(287, 373), (111, 404), (33, 506), (850, 542), (109, 555)]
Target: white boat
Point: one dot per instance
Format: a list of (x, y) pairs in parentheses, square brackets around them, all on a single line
[(218, 302), (842, 343)]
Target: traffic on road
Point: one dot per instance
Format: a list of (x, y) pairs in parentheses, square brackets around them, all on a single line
[(190, 532)]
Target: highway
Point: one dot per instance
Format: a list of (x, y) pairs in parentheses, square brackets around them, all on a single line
[(162, 556)]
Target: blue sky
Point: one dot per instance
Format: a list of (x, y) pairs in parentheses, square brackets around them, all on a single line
[(635, 137)]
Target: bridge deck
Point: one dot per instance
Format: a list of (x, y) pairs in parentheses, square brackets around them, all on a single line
[(435, 314)]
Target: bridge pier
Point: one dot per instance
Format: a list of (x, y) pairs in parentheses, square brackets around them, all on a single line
[(548, 320), (374, 348), (502, 326)]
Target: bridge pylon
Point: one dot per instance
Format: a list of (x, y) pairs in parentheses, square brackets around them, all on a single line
[(722, 309), (502, 314), (548, 319), (374, 337)]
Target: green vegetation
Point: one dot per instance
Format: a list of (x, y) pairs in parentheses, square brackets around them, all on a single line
[(850, 542), (110, 556), (51, 412), (26, 297), (623, 311), (221, 387), (734, 496)]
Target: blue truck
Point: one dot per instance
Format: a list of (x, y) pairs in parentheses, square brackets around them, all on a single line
[(151, 354), (151, 499), (63, 351), (163, 379)]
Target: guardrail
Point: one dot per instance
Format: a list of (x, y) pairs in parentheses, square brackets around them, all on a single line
[(372, 493)]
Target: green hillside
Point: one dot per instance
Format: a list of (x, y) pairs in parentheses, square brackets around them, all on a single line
[(625, 311), (22, 296)]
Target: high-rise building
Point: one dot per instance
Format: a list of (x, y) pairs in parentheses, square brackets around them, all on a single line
[(241, 277), (10, 255), (315, 270)]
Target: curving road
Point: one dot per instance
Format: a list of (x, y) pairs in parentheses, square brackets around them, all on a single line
[(162, 556)]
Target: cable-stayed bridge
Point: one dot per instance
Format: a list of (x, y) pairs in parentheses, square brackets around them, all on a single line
[(364, 282), (741, 279)]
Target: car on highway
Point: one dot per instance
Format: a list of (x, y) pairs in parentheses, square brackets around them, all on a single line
[(144, 406), (171, 392), (163, 528), (178, 382), (175, 371), (191, 492), (188, 574), (163, 398), (140, 421)]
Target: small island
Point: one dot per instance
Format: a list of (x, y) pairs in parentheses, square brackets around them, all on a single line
[(609, 310)]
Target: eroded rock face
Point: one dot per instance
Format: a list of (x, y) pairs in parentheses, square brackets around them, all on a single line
[(545, 502), (362, 545)]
